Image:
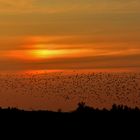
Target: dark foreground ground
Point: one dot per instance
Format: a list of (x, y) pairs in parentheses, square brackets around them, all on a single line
[(84, 120)]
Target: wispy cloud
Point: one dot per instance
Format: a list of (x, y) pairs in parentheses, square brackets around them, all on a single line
[(22, 6), (55, 6)]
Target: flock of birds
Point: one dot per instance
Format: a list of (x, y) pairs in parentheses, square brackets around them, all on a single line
[(98, 89)]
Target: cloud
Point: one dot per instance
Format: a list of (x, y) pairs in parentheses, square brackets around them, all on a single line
[(22, 6), (14, 5), (55, 6), (126, 61)]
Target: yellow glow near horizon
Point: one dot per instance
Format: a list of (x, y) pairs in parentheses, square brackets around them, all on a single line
[(42, 50), (44, 53)]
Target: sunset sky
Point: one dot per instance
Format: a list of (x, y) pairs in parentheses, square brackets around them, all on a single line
[(69, 34)]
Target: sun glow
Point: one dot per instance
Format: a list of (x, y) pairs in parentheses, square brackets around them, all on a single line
[(42, 54), (46, 51)]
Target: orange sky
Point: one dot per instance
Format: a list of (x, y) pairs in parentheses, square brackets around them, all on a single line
[(38, 34)]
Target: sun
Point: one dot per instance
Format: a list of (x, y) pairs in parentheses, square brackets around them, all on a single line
[(45, 53), (41, 53)]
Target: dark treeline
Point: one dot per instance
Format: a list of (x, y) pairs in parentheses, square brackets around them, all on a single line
[(82, 108), (83, 117)]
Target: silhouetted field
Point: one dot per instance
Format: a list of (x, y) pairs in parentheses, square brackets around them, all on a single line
[(83, 118), (82, 115)]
